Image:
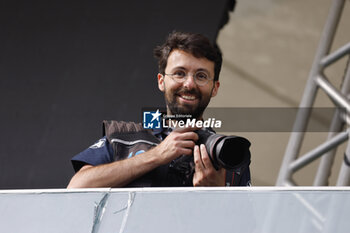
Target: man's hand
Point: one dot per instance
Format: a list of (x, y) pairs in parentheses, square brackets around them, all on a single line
[(179, 142), (205, 174)]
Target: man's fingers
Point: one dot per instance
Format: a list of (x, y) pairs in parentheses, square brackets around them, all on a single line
[(197, 159), (189, 136), (205, 174), (185, 151), (184, 135), (201, 157), (186, 129), (187, 144), (205, 157)]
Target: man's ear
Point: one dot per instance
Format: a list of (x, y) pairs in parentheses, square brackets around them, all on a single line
[(215, 88), (160, 82)]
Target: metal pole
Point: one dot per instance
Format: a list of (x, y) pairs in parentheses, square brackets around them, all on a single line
[(335, 56), (324, 169), (308, 99), (344, 175), (338, 98), (319, 151)]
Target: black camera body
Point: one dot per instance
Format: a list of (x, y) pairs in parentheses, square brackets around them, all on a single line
[(229, 152)]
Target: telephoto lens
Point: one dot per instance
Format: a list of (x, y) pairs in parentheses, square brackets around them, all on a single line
[(229, 152)]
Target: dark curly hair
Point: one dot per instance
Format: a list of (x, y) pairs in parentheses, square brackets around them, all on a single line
[(195, 44)]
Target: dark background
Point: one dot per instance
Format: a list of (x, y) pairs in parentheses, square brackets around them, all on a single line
[(67, 65)]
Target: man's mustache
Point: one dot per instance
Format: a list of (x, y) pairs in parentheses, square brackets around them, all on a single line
[(188, 92)]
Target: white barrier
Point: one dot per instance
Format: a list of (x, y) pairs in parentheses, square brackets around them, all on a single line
[(227, 209)]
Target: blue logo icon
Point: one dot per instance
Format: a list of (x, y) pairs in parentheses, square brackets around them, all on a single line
[(151, 120)]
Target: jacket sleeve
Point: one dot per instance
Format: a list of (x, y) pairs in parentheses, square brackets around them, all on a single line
[(99, 153)]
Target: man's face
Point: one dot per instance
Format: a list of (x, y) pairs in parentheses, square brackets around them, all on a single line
[(187, 97)]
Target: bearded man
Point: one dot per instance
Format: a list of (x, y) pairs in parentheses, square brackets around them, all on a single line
[(130, 156)]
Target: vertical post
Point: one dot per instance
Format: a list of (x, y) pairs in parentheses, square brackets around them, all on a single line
[(344, 174)]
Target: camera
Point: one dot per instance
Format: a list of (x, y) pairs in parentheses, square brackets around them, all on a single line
[(229, 152)]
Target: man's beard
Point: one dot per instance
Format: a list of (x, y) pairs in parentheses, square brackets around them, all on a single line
[(196, 111)]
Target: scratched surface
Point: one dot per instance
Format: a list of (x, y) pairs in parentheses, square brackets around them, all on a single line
[(175, 210)]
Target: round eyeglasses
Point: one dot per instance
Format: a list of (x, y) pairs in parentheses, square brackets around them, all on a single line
[(201, 78)]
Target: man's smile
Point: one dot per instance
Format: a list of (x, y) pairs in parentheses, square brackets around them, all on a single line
[(188, 98)]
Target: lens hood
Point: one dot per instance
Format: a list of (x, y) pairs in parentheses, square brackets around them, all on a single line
[(232, 152)]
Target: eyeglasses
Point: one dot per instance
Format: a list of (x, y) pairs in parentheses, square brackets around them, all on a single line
[(201, 78)]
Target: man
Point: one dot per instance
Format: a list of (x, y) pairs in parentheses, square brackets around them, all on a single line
[(189, 67)]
